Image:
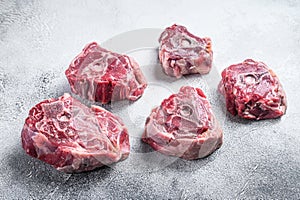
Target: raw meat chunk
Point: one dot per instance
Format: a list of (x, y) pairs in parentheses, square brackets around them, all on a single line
[(181, 52), (100, 75), (252, 91), (184, 126), (72, 137)]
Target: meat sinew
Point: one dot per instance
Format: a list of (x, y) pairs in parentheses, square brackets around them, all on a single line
[(184, 126), (253, 91), (181, 52), (72, 137), (100, 75)]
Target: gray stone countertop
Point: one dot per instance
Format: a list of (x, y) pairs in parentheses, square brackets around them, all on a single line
[(258, 160)]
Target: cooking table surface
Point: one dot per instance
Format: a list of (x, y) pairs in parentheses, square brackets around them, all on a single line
[(38, 39)]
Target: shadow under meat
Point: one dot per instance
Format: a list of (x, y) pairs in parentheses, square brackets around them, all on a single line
[(240, 120), (182, 165), (154, 160), (41, 179)]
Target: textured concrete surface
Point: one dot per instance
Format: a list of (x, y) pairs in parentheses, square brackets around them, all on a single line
[(259, 160)]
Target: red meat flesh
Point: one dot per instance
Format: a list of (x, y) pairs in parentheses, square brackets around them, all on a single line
[(253, 91), (181, 52), (103, 76), (72, 137), (184, 126)]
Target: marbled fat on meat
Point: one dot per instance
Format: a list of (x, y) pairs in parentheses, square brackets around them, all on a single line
[(253, 91), (181, 52), (72, 137), (103, 76), (184, 126)]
